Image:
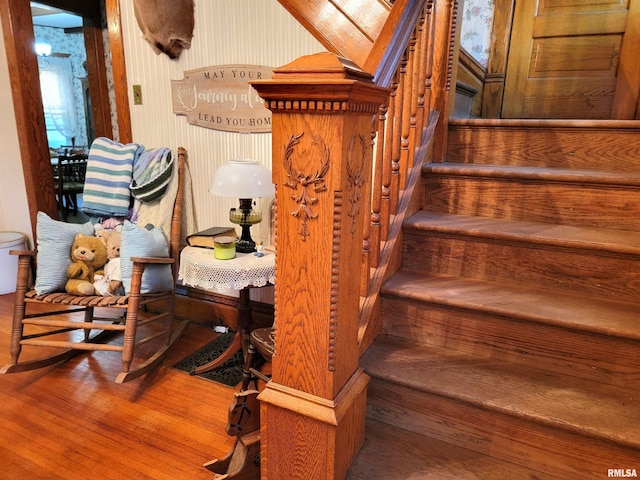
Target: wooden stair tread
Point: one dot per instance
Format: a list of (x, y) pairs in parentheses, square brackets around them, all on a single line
[(553, 124), (549, 307), (569, 403), (547, 174), (393, 453), (600, 239)]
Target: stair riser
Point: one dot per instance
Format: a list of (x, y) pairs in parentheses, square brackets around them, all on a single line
[(615, 277), (558, 203), (560, 453), (573, 148), (585, 355)]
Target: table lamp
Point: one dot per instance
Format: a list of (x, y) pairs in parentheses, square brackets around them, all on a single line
[(245, 179)]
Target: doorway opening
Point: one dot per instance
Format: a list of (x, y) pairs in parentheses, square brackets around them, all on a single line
[(66, 101)]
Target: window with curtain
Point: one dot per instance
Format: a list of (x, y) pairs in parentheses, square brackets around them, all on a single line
[(56, 84)]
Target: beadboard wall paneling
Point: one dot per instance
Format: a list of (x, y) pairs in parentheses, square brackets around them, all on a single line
[(255, 32)]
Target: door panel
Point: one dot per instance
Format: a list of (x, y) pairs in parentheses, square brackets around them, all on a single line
[(564, 58), (553, 7), (576, 56)]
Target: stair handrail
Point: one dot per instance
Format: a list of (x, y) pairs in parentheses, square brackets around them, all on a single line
[(389, 46)]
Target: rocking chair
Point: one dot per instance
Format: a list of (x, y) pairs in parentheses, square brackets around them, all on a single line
[(39, 328)]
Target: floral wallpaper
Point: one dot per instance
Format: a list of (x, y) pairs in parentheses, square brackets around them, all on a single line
[(475, 33), (72, 44)]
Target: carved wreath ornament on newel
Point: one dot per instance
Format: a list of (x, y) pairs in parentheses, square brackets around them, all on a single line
[(310, 182)]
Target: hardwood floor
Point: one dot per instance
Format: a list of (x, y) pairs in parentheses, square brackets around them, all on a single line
[(73, 422)]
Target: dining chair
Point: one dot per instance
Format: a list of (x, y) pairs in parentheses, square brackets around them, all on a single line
[(69, 174)]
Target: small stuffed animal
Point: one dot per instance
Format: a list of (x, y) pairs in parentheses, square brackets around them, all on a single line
[(109, 282), (88, 255)]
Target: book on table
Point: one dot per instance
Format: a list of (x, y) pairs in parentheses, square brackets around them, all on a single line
[(206, 238)]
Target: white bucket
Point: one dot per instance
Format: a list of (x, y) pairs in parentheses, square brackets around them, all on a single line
[(8, 262)]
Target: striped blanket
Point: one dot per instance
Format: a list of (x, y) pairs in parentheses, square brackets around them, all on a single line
[(151, 174), (109, 173)]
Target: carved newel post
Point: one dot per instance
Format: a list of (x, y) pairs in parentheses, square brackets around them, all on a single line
[(313, 410)]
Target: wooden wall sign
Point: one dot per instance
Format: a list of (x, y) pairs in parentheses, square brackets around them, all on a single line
[(221, 98)]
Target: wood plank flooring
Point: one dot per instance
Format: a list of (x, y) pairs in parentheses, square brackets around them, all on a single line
[(73, 422)]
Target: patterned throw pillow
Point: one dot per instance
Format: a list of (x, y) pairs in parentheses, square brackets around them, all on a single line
[(139, 242), (54, 240)]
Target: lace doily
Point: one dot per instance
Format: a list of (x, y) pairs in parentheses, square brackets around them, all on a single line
[(199, 268)]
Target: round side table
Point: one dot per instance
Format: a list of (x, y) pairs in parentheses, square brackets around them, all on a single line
[(200, 269)]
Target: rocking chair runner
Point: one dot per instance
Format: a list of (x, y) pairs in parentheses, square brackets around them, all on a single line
[(48, 330)]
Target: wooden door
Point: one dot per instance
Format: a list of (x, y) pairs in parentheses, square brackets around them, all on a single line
[(565, 58)]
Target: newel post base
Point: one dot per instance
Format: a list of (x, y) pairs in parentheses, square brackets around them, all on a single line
[(324, 109), (306, 436)]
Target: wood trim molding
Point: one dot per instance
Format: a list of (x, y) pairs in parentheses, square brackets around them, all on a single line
[(116, 45), (497, 62), (627, 96), (472, 65), (18, 36), (97, 75)]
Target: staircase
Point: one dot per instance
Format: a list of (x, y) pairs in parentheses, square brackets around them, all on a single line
[(511, 340)]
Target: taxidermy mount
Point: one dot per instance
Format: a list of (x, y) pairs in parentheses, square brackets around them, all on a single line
[(166, 24)]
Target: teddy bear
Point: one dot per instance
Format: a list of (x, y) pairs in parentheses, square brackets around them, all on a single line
[(109, 282), (88, 255)]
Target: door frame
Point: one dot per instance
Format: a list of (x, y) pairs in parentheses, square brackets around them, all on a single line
[(17, 27), (626, 102)]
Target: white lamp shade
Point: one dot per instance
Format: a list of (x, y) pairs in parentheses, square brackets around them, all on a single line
[(242, 179)]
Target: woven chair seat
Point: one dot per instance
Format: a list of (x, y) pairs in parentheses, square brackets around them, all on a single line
[(63, 298), (263, 339)]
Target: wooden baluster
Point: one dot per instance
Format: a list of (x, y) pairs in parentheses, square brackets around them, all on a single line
[(376, 200), (444, 34), (368, 201), (425, 55), (410, 106), (403, 159), (391, 149), (429, 27), (396, 138), (313, 409), (421, 62), (453, 52)]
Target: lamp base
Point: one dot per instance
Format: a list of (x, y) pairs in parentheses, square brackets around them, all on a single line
[(245, 243), (245, 246), (245, 216)]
